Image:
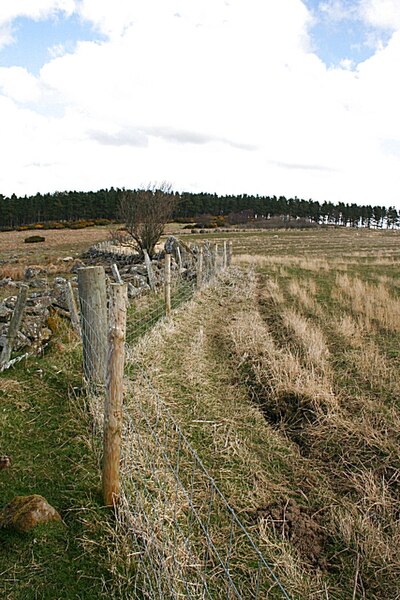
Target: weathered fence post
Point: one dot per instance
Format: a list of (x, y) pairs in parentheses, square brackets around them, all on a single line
[(200, 268), (116, 275), (225, 257), (215, 258), (73, 311), (149, 268), (14, 325), (179, 256), (230, 252), (114, 393), (167, 285), (93, 304)]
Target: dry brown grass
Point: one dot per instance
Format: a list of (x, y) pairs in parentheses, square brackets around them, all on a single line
[(227, 428), (352, 437), (311, 339), (304, 292), (374, 302)]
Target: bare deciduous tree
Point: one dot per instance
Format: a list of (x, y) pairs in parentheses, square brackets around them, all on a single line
[(146, 212)]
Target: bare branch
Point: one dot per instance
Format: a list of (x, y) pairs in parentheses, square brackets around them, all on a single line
[(146, 212)]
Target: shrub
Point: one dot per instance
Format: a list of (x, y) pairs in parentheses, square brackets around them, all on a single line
[(34, 239), (80, 224), (102, 222)]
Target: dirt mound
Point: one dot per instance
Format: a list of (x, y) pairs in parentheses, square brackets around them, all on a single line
[(297, 525)]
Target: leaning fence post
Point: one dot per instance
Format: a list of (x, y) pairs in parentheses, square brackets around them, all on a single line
[(93, 305), (149, 268), (114, 393), (73, 311), (14, 325), (179, 256), (116, 275), (200, 268), (167, 285)]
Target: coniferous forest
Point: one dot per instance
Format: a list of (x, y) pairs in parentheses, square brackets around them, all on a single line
[(74, 206)]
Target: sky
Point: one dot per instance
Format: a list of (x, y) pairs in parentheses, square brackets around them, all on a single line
[(270, 97)]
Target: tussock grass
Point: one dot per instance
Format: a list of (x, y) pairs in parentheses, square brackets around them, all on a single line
[(304, 292), (311, 339), (374, 302), (352, 439)]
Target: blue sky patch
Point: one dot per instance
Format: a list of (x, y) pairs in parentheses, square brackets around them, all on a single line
[(348, 39), (34, 41)]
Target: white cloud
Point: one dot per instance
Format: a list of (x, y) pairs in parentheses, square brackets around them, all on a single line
[(384, 14), (212, 95), (6, 34), (35, 9), (338, 10), (18, 84), (381, 14)]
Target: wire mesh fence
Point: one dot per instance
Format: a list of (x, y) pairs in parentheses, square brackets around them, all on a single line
[(185, 538), (144, 313), (188, 540)]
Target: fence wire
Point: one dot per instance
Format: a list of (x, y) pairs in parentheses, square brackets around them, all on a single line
[(185, 538)]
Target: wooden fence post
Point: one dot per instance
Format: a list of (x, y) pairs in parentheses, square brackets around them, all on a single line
[(116, 275), (225, 257), (200, 268), (114, 393), (73, 311), (179, 256), (149, 268), (14, 325), (167, 285), (93, 304), (230, 252), (215, 258)]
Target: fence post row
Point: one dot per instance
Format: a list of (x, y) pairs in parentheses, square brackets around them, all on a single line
[(14, 325), (167, 285), (114, 393), (93, 305)]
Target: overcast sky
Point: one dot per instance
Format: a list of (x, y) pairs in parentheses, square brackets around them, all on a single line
[(284, 97)]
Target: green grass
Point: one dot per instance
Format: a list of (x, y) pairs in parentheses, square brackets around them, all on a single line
[(44, 428)]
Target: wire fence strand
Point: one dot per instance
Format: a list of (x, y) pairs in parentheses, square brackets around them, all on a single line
[(186, 539)]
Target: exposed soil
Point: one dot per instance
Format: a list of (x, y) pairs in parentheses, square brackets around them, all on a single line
[(297, 525)]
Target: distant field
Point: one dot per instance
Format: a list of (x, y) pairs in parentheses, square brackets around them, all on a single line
[(58, 243)]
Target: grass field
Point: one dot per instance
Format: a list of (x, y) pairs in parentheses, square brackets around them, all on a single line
[(286, 380), (284, 377)]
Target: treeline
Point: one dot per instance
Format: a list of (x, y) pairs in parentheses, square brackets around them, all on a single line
[(73, 206)]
